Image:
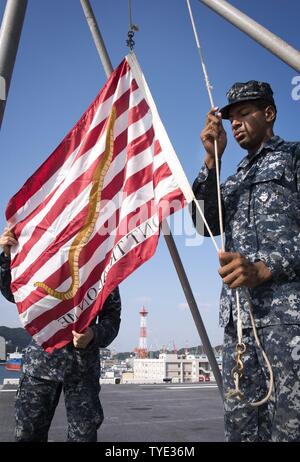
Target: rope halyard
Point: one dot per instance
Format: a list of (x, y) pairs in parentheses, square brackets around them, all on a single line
[(132, 29), (237, 371), (271, 375), (209, 88)]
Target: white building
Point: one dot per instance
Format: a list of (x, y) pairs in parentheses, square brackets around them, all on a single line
[(171, 368)]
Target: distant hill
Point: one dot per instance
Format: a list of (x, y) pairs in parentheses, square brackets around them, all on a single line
[(16, 337), (198, 350)]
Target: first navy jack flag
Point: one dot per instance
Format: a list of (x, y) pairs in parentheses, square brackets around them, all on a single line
[(91, 214)]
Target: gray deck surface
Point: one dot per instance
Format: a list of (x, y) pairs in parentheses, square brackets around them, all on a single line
[(141, 413)]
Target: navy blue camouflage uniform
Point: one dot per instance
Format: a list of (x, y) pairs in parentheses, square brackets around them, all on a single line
[(261, 207), (72, 370)]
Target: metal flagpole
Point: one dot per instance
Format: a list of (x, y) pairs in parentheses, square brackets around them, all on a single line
[(10, 33), (192, 303), (260, 34), (165, 227)]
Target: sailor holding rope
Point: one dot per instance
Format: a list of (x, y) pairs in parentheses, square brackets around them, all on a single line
[(261, 213)]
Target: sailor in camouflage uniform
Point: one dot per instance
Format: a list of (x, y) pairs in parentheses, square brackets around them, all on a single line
[(261, 213), (75, 369)]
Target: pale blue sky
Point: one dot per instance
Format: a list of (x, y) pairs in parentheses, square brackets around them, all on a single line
[(58, 73)]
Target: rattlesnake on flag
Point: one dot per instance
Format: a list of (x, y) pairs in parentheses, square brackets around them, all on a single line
[(93, 212)]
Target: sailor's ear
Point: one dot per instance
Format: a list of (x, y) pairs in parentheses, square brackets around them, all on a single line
[(270, 113)]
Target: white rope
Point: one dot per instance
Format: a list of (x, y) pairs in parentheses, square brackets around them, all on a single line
[(209, 87), (130, 14), (239, 318), (271, 384)]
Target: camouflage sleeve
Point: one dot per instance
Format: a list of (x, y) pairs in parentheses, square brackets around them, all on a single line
[(205, 190), (107, 327), (283, 258), (5, 278)]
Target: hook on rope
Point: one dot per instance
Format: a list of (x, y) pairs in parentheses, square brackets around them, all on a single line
[(236, 392), (237, 373), (130, 42)]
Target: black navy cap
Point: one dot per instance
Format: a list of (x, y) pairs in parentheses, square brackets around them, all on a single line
[(247, 91)]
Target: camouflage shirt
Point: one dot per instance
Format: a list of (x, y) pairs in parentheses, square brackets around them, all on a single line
[(68, 361), (261, 207)]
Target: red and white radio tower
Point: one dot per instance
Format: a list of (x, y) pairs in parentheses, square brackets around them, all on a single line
[(142, 351)]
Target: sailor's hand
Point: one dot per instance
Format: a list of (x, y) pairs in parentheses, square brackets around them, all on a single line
[(82, 340), (7, 239), (213, 130), (237, 271)]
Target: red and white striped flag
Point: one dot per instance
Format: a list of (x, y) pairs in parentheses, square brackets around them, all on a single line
[(90, 215)]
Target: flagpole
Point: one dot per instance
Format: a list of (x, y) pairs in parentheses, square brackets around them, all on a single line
[(10, 34), (100, 45), (192, 304), (257, 32)]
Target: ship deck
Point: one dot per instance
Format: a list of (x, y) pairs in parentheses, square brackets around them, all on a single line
[(141, 413)]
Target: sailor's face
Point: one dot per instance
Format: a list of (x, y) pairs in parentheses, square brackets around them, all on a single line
[(249, 124)]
